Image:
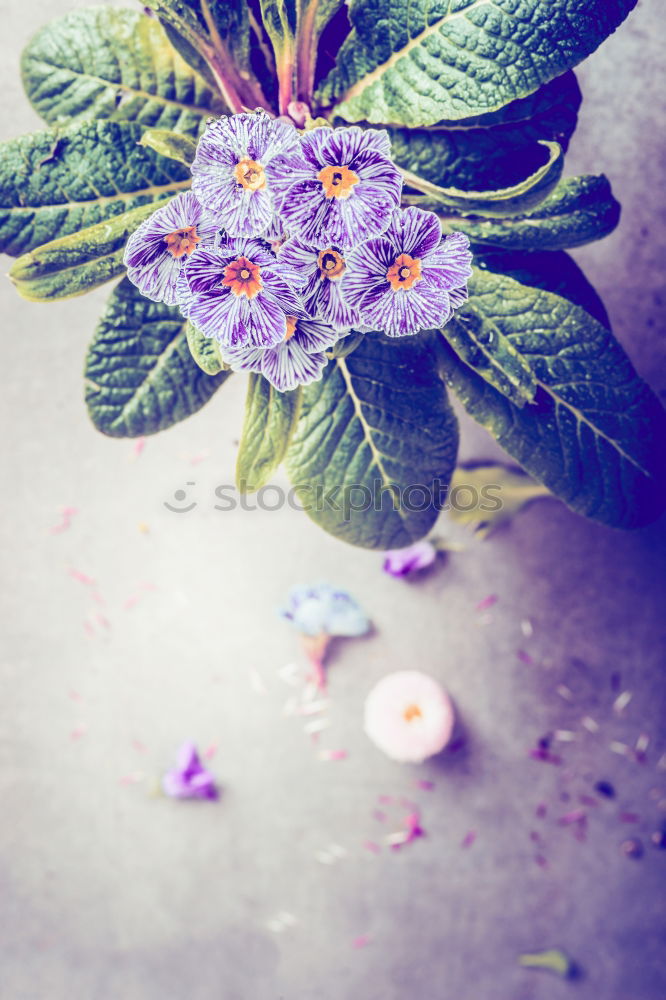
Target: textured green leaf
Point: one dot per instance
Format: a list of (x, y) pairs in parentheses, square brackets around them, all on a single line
[(594, 433), (551, 112), (579, 210), (59, 181), (204, 351), (140, 376), (420, 62), (280, 19), (378, 424), (554, 271), (270, 421), (170, 144), (76, 263), (499, 492), (118, 64), (498, 152), (483, 346), (523, 196)]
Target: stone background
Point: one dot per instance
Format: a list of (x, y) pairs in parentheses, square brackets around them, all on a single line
[(108, 891)]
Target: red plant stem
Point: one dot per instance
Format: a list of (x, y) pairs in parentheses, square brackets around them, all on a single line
[(240, 92), (306, 56), (285, 75), (316, 647), (229, 95)]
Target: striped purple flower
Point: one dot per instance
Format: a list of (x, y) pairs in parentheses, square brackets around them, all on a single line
[(340, 188), (297, 360), (321, 272), (409, 279), (156, 253), (237, 162), (239, 294)]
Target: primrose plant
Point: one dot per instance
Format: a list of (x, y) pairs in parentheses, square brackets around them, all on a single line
[(359, 205)]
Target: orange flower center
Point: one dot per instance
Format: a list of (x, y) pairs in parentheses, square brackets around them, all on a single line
[(242, 277), (331, 264), (404, 272), (291, 327), (182, 241), (412, 712), (250, 175), (337, 182)]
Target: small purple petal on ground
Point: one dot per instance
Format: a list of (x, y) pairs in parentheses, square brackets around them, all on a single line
[(487, 602)]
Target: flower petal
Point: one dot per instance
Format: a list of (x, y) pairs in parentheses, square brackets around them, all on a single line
[(288, 366), (313, 336), (455, 259), (415, 232), (345, 145)]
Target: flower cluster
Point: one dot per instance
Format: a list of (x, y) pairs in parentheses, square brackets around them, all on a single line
[(287, 242)]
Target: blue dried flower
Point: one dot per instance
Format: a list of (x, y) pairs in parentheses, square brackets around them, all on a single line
[(324, 610)]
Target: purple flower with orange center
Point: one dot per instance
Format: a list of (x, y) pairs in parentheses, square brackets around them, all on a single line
[(298, 360), (237, 162), (410, 278), (156, 252), (340, 188), (238, 294), (321, 274)]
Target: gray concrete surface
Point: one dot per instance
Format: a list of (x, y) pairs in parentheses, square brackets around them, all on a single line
[(108, 892)]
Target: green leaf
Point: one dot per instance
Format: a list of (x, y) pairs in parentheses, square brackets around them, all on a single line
[(579, 210), (270, 421), (482, 345), (489, 495), (594, 433), (140, 376), (500, 150), (59, 181), (117, 64), (422, 62), (170, 144), (376, 443), (204, 351), (523, 196), (551, 112), (78, 262), (554, 271), (280, 18)]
